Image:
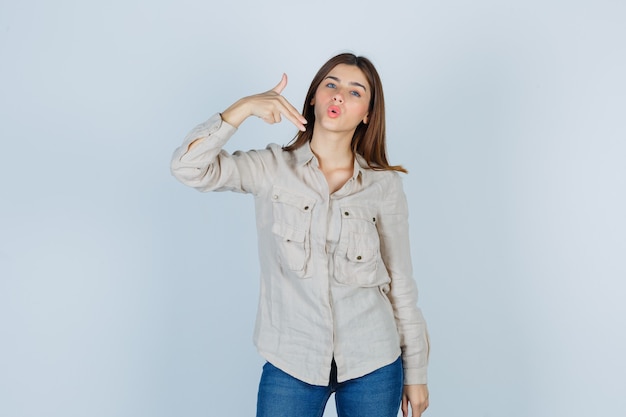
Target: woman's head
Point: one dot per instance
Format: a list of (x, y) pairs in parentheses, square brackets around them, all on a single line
[(369, 139)]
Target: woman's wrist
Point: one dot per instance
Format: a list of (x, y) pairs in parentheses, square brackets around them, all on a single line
[(236, 113)]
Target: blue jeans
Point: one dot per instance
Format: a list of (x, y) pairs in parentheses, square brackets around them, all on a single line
[(377, 394)]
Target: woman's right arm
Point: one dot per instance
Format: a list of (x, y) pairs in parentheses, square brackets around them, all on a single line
[(200, 161), (268, 106)]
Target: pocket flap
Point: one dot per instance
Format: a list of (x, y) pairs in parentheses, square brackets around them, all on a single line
[(302, 203), (288, 233), (362, 248), (359, 213)]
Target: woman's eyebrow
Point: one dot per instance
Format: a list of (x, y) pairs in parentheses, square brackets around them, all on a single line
[(350, 83)]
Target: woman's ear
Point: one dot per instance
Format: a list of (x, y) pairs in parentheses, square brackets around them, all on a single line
[(312, 102), (366, 118)]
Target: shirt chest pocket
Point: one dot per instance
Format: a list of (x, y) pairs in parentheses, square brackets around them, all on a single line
[(291, 228), (357, 258)]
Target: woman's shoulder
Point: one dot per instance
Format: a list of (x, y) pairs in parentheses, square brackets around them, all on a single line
[(382, 175), (389, 182)]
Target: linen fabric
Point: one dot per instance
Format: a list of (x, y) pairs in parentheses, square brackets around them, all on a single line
[(336, 275)]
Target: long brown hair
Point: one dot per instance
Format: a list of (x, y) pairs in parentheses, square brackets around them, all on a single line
[(369, 140)]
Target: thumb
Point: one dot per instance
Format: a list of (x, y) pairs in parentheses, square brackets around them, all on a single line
[(281, 85)]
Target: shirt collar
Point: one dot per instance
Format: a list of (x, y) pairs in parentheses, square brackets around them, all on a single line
[(361, 165), (304, 155)]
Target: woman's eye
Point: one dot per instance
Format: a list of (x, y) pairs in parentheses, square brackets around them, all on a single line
[(331, 85), (355, 93)]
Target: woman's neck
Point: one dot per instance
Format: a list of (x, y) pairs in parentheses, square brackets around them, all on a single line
[(333, 151), (335, 158)]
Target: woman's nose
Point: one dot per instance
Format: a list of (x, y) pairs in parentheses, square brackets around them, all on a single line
[(338, 98)]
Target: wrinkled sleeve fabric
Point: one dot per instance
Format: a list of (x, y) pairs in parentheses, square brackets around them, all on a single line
[(207, 167), (396, 253)]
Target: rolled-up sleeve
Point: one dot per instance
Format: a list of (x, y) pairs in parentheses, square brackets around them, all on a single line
[(207, 167), (395, 250)]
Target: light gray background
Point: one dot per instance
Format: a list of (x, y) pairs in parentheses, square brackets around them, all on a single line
[(124, 293)]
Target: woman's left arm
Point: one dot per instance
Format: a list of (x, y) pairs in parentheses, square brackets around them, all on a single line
[(393, 229)]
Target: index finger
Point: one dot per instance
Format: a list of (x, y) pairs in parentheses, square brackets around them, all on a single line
[(292, 114)]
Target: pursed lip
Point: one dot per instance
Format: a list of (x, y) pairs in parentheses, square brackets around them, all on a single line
[(334, 111)]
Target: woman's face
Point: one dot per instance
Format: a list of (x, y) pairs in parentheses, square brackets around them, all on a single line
[(342, 99)]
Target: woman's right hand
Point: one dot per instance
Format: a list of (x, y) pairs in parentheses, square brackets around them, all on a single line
[(269, 106)]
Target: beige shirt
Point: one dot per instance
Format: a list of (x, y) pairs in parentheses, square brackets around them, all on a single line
[(336, 275)]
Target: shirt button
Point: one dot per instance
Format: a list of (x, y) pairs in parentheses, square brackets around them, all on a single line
[(275, 196), (358, 258), (374, 219), (306, 207), (346, 213)]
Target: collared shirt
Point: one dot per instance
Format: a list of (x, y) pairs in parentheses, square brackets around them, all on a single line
[(336, 274)]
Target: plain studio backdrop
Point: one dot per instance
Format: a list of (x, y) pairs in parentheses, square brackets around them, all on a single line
[(125, 294)]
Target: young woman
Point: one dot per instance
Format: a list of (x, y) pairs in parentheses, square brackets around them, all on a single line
[(337, 310)]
